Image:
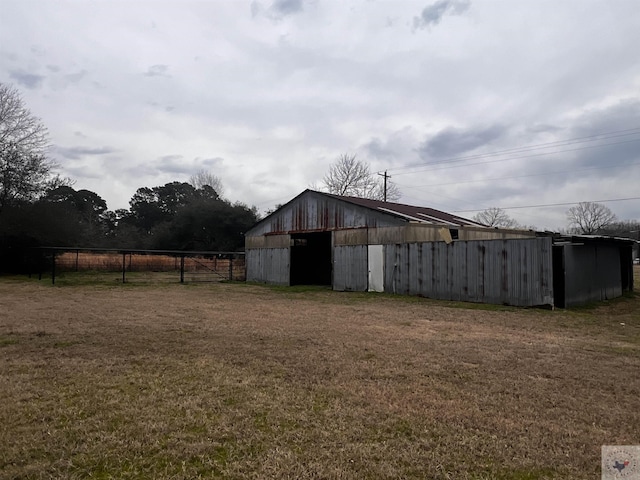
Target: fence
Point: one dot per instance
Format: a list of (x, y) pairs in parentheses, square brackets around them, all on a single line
[(141, 265)]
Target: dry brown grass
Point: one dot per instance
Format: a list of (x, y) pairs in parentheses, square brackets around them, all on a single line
[(239, 381)]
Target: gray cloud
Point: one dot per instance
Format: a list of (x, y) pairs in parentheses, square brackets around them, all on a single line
[(38, 51), (278, 9), (28, 80), (177, 164), (615, 135), (82, 171), (75, 153), (210, 162), (452, 141), (542, 128), (432, 14), (286, 7), (53, 68), (396, 148), (174, 164), (157, 71), (75, 77), (378, 149)]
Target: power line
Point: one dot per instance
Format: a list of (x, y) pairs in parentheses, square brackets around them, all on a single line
[(520, 176), (559, 143), (554, 204), (520, 157)]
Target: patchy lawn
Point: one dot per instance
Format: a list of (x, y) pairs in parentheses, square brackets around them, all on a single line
[(240, 381)]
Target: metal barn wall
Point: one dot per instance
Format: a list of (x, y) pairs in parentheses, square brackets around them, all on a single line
[(350, 268), (312, 211), (514, 272), (592, 273), (268, 265)]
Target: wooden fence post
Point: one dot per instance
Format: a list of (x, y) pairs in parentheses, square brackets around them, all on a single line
[(124, 265), (53, 267)]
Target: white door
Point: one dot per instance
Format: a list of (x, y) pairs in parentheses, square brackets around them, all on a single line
[(376, 268)]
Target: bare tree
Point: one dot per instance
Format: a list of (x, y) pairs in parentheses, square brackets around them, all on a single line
[(495, 217), (24, 169), (204, 178), (589, 217), (19, 128), (349, 176)]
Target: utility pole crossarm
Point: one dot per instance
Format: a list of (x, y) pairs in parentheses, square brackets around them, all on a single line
[(386, 176)]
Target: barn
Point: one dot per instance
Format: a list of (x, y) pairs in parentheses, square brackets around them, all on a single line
[(355, 244)]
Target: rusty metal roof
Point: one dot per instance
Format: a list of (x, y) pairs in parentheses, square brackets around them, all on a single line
[(410, 213), (320, 211)]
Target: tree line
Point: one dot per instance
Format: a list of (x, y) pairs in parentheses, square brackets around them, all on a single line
[(585, 218), (38, 207)]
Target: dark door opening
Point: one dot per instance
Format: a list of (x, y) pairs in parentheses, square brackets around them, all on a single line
[(311, 258), (558, 276)]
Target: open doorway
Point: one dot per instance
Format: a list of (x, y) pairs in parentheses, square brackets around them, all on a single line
[(311, 258), (558, 276)]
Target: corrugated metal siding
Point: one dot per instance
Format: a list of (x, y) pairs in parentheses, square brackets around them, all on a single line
[(592, 273), (514, 272), (314, 212), (350, 268), (268, 265)]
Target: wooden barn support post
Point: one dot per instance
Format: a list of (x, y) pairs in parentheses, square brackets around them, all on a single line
[(181, 268)]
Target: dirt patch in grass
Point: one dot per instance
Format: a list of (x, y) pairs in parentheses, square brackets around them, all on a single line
[(242, 381)]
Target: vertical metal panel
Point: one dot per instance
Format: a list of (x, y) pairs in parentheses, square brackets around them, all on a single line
[(268, 265), (314, 211), (350, 268), (514, 272), (592, 273), (376, 268)]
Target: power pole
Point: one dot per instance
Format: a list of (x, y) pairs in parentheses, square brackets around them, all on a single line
[(385, 183)]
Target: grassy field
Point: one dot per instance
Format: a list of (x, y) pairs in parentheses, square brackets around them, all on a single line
[(241, 381)]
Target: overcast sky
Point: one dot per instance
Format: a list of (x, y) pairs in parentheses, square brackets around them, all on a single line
[(468, 104)]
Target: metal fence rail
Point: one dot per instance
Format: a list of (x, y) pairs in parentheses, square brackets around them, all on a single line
[(132, 264)]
